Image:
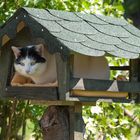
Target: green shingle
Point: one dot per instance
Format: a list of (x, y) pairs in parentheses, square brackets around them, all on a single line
[(106, 39), (112, 20), (99, 46), (112, 30), (129, 48), (65, 15), (133, 40), (41, 13), (70, 36), (78, 27), (124, 54), (90, 18), (132, 29), (52, 26), (79, 48)]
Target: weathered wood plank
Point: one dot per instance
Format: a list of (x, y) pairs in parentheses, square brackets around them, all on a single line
[(31, 93), (120, 68), (10, 27), (104, 85), (71, 122), (107, 94), (5, 66), (55, 123), (78, 123), (62, 76), (95, 99), (92, 100)]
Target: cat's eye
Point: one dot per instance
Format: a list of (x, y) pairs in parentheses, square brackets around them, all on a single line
[(33, 63), (22, 64)]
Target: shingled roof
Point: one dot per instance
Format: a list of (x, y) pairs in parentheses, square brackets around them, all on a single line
[(88, 34)]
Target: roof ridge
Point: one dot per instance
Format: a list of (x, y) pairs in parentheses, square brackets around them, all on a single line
[(71, 28)]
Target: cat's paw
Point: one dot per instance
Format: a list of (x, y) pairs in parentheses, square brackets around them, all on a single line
[(55, 84), (15, 84), (30, 85)]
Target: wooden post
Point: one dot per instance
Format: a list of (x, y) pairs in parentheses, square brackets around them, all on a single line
[(55, 124), (5, 67), (62, 75), (78, 122), (62, 123), (135, 76)]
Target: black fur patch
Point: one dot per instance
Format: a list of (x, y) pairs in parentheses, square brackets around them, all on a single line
[(31, 53)]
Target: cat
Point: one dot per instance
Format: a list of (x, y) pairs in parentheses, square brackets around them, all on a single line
[(35, 62)]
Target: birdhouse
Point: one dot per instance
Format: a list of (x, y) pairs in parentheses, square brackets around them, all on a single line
[(80, 43)]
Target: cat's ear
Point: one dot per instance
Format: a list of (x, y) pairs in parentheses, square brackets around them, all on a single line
[(40, 49), (16, 51)]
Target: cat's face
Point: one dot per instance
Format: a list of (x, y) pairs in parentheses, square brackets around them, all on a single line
[(29, 60)]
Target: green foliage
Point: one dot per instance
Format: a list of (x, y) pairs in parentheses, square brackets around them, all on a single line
[(132, 6), (14, 115), (115, 61), (106, 120), (110, 120), (107, 7)]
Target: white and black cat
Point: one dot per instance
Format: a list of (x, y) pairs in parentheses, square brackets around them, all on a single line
[(37, 63)]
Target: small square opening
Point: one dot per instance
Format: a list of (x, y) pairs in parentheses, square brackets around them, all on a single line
[(20, 86)]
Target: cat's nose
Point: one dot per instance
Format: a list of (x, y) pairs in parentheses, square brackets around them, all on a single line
[(27, 71)]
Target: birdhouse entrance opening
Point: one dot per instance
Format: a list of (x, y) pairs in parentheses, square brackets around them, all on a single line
[(32, 63), (34, 66), (31, 68)]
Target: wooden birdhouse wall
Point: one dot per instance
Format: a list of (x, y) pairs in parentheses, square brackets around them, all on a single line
[(63, 75), (7, 58), (22, 38), (5, 66)]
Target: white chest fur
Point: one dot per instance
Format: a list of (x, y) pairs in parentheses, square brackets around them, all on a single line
[(48, 74)]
